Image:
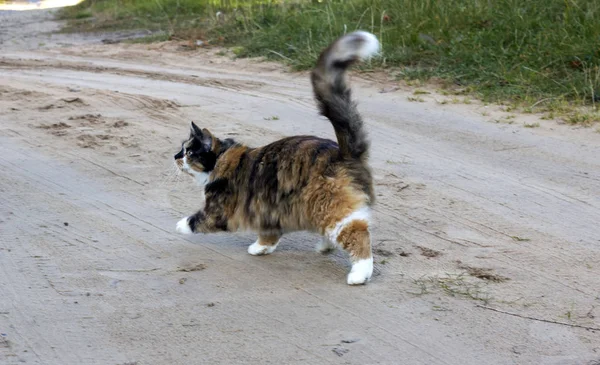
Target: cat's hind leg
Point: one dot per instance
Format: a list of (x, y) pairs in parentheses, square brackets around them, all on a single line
[(352, 234), (264, 245)]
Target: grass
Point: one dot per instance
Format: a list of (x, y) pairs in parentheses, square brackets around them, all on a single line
[(533, 54), (416, 99), (583, 118), (420, 92), (159, 37)]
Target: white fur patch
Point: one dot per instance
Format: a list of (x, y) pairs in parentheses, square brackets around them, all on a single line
[(361, 271), (362, 214), (183, 226), (349, 48), (257, 249), (200, 177), (370, 47)]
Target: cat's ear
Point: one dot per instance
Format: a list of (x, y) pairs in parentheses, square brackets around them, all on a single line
[(203, 135), (195, 131), (207, 139)]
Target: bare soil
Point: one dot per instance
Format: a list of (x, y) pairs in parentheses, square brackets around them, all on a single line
[(471, 213)]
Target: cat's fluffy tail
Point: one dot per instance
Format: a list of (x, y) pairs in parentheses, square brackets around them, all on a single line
[(333, 95)]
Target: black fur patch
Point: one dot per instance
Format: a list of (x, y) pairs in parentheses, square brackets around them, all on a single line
[(179, 154), (221, 224), (194, 219), (265, 167), (219, 186), (208, 160), (324, 146), (226, 144)]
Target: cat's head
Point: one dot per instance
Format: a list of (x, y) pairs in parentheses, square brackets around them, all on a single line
[(198, 154)]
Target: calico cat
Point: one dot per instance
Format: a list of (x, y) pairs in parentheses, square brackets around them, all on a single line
[(297, 183)]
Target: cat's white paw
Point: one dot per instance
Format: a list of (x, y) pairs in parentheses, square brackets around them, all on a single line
[(361, 271), (325, 245), (257, 249), (183, 226)]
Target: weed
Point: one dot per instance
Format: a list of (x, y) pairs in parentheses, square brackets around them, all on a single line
[(422, 285), (415, 99), (456, 286), (531, 125), (420, 92), (274, 117), (520, 239), (569, 313), (395, 162), (413, 82), (453, 285)]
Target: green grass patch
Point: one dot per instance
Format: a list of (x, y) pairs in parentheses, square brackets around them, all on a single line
[(83, 14), (530, 53), (583, 118)]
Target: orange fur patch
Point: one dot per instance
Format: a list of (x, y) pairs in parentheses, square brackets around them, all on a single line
[(355, 239), (329, 200), (229, 161)]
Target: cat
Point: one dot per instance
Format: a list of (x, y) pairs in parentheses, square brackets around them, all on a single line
[(299, 183)]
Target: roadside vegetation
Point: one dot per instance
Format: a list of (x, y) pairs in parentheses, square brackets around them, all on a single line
[(537, 55)]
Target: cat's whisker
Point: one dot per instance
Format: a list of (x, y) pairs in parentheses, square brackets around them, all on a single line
[(170, 176)]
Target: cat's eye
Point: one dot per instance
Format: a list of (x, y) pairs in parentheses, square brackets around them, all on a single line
[(189, 153)]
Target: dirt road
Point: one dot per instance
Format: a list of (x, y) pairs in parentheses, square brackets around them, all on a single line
[(472, 215)]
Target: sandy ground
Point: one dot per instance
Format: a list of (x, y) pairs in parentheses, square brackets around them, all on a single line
[(473, 215)]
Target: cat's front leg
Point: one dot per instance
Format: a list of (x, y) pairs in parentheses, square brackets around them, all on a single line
[(183, 226), (191, 224), (201, 223)]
